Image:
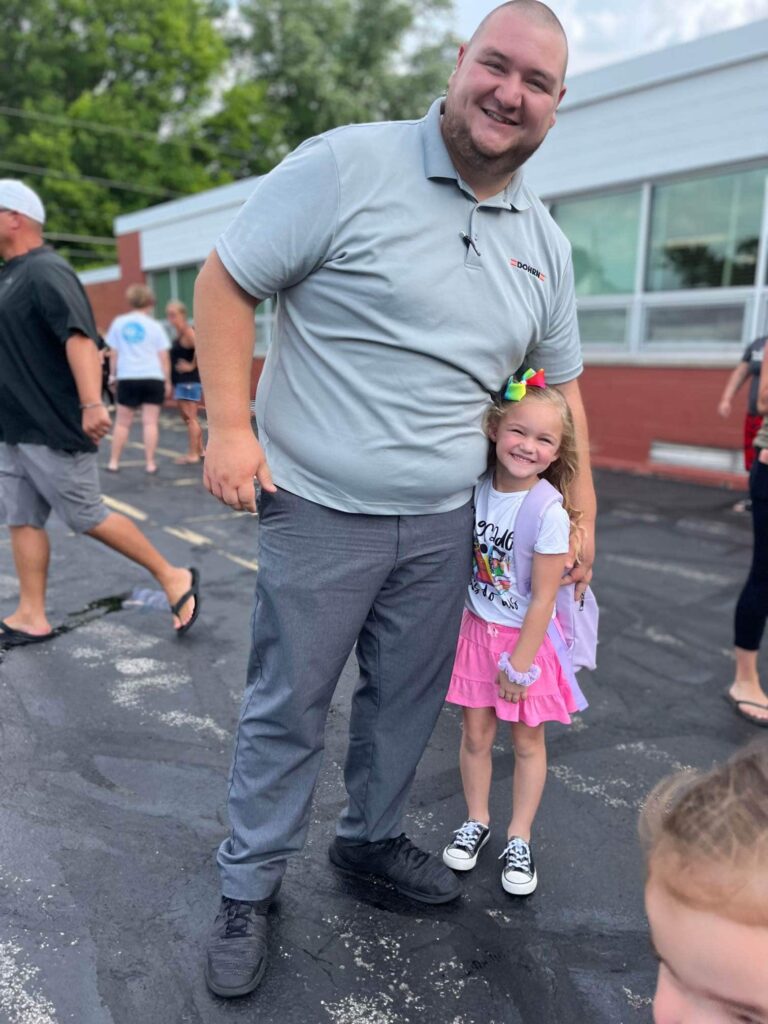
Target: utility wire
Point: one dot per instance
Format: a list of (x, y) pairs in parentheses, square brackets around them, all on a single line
[(119, 186), (112, 129), (56, 236)]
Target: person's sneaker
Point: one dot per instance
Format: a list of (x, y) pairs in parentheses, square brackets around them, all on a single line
[(461, 854), (236, 957), (413, 872), (518, 876)]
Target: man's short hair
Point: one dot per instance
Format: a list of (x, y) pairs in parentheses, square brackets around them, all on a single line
[(535, 10)]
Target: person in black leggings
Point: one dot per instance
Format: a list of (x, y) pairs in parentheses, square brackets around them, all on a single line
[(746, 695)]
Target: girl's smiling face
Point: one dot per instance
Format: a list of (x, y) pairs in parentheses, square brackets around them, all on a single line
[(527, 442), (712, 970)]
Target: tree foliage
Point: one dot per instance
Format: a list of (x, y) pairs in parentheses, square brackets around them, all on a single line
[(107, 90), (307, 67), (108, 106)]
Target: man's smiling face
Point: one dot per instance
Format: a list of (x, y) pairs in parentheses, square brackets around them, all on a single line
[(503, 93)]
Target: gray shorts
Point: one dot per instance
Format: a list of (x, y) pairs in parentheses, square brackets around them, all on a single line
[(35, 479)]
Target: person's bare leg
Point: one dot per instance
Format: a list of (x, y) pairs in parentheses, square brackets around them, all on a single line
[(529, 778), (31, 555), (120, 432), (477, 736), (188, 411), (122, 535), (150, 414), (746, 684)]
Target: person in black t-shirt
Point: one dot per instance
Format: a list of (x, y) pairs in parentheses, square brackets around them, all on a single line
[(185, 377), (52, 419)]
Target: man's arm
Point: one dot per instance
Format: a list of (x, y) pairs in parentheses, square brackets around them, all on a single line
[(584, 497), (85, 363), (224, 345)]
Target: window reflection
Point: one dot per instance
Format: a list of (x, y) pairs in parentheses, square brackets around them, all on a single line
[(704, 232), (603, 232)]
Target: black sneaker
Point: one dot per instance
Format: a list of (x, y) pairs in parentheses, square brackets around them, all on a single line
[(413, 872), (519, 874), (462, 853), (237, 947)]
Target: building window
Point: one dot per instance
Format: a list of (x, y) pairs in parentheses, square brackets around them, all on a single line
[(603, 232), (723, 323), (185, 285), (603, 326), (160, 283), (704, 232)]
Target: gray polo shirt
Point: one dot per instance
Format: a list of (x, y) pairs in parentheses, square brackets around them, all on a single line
[(391, 330)]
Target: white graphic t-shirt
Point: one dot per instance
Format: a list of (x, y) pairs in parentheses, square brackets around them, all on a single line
[(137, 339), (493, 593)]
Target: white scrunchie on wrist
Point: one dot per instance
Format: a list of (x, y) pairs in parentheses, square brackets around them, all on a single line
[(521, 678)]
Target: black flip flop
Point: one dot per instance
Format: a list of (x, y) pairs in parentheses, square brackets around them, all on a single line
[(10, 637), (762, 723), (194, 591)]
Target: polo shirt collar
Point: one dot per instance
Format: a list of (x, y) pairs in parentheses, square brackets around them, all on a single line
[(439, 166)]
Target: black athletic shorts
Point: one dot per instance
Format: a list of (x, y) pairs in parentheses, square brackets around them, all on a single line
[(134, 393)]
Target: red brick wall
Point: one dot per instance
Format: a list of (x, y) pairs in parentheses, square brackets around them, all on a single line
[(107, 300), (629, 407), (108, 297)]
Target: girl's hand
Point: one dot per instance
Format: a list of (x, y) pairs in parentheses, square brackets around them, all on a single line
[(513, 692)]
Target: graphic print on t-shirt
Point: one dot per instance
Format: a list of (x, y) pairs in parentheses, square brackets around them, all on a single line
[(492, 575), (133, 332)]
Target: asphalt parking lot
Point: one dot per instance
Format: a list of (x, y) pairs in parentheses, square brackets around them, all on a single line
[(115, 749)]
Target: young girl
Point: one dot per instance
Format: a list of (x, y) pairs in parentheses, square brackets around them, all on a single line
[(706, 895), (506, 667)]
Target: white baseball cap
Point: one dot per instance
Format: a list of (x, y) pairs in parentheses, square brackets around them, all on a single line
[(16, 196)]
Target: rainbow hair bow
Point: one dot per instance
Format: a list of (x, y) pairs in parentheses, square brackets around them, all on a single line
[(516, 389)]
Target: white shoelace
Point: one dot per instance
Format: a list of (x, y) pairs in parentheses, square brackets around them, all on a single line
[(517, 854), (468, 834)]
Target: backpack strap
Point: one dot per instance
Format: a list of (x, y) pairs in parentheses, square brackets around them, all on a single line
[(540, 497)]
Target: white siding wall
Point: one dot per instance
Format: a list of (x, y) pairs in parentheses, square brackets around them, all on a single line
[(187, 240), (711, 118)]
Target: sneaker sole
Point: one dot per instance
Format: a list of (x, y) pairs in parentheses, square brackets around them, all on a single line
[(420, 897), (241, 990), (465, 863), (520, 888)]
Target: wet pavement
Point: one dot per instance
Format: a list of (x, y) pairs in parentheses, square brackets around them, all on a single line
[(115, 747)]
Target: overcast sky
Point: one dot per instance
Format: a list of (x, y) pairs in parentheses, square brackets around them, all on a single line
[(606, 31)]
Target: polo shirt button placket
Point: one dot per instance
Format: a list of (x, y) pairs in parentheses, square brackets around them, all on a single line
[(471, 241)]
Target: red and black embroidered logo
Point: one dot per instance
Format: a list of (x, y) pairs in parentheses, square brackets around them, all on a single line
[(525, 266)]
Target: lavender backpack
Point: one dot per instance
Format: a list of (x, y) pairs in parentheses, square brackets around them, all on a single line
[(575, 641)]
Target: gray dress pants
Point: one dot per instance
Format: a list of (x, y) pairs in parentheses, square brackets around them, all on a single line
[(394, 586)]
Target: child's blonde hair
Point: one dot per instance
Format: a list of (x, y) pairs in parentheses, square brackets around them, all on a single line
[(706, 837), (562, 472)]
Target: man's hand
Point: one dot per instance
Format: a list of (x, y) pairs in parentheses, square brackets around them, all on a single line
[(579, 571), (96, 423), (513, 692), (724, 408), (234, 462)]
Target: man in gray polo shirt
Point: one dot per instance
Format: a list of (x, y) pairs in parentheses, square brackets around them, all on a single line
[(414, 271)]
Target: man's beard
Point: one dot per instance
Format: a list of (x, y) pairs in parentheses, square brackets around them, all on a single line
[(459, 140)]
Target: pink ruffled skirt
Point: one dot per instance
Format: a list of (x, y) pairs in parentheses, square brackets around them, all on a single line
[(475, 672)]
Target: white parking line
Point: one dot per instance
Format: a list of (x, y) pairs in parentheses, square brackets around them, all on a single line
[(125, 508)]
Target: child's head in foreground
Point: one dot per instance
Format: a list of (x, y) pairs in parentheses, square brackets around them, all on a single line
[(706, 839)]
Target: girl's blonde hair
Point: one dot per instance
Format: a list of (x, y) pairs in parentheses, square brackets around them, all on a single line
[(706, 837), (562, 472)]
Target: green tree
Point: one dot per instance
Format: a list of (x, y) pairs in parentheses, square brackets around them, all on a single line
[(306, 67), (93, 91)]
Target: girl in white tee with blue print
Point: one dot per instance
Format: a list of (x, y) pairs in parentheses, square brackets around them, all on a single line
[(506, 666)]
